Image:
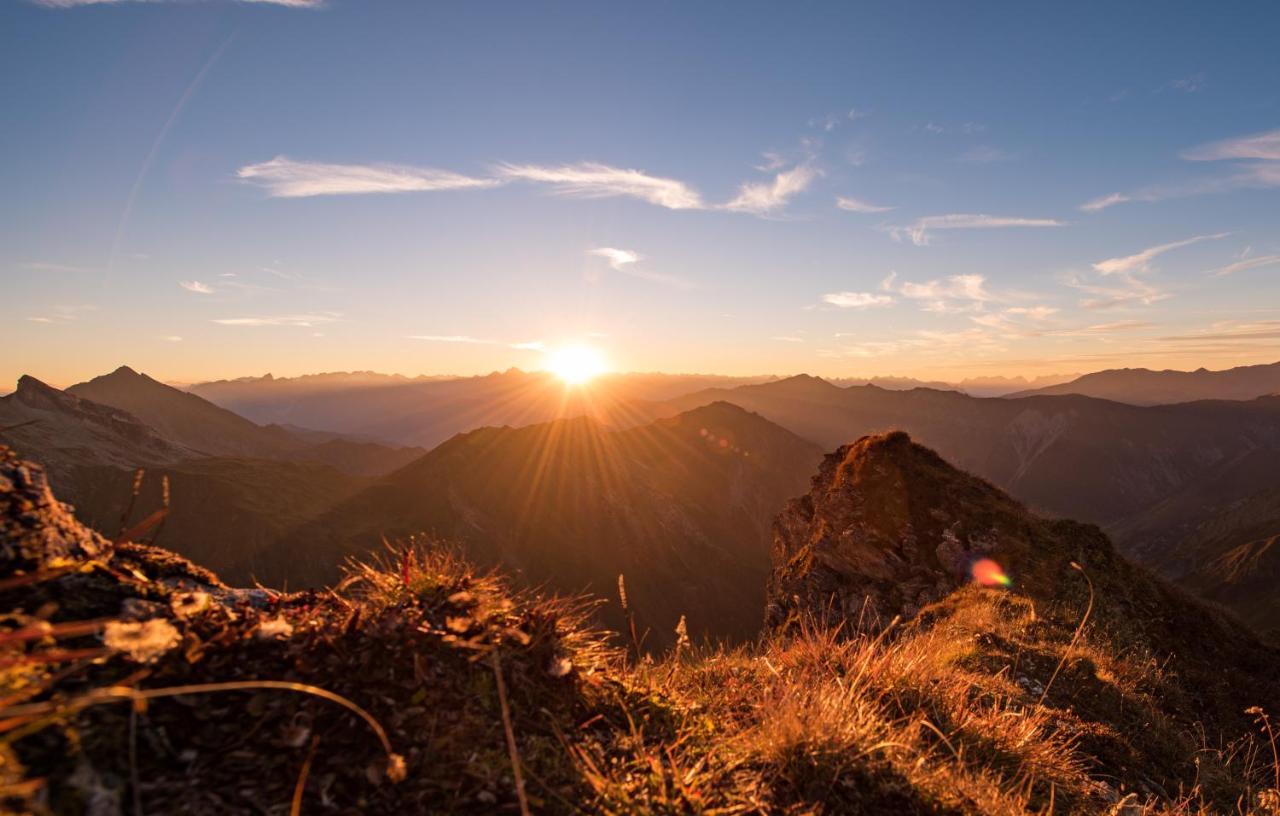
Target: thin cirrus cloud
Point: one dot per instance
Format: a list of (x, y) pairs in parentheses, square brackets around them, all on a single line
[(595, 180), (283, 177), (469, 340), (849, 204), (1120, 282), (197, 287), (919, 230), (1141, 261), (1248, 263), (1256, 165), (294, 320), (856, 300), (627, 262), (453, 338), (951, 295), (764, 198)]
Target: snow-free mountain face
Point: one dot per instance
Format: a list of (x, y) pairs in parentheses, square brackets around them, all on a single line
[(1080, 457), (1141, 386), (680, 507), (234, 488)]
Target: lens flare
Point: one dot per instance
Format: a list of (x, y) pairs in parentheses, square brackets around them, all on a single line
[(989, 573)]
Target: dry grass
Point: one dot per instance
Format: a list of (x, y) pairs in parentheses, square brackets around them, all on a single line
[(983, 704)]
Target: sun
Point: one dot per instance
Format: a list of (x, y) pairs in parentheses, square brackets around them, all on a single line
[(576, 365)]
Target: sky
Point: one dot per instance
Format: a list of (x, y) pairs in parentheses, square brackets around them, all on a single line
[(210, 188)]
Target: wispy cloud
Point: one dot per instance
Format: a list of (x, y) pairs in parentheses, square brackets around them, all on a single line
[(1033, 312), (197, 287), (1232, 331), (1141, 261), (469, 340), (594, 180), (762, 198), (1248, 263), (957, 293), (1123, 290), (297, 320), (1191, 84), (627, 262), (311, 4), (856, 300), (1265, 146), (1107, 328), (1121, 282), (1102, 202), (1257, 166), (785, 339), (849, 204), (975, 340), (919, 230), (619, 259), (283, 177), (63, 313), (453, 338)]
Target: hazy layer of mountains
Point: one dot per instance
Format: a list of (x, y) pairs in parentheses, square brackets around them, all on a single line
[(1141, 386), (671, 481)]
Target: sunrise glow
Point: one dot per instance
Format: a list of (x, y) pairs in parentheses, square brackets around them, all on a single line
[(576, 365)]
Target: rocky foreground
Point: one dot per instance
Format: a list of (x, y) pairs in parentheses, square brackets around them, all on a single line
[(887, 681)]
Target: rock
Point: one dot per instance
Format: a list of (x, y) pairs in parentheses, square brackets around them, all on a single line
[(889, 528), (36, 530)]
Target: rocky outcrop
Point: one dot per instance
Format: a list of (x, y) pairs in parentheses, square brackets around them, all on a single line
[(888, 527), (36, 530)]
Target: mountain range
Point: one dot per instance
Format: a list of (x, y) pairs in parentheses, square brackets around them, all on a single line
[(929, 646), (624, 481), (1141, 386)]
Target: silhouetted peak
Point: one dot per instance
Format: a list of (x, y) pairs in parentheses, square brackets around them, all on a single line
[(34, 392), (30, 385), (804, 383)]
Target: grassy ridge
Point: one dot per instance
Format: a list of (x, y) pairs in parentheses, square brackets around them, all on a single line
[(131, 680)]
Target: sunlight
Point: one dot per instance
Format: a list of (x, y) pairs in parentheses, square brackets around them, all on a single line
[(576, 365)]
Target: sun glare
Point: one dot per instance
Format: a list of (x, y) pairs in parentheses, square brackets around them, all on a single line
[(576, 364)]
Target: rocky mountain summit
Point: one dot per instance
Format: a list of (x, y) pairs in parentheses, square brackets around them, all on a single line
[(889, 527)]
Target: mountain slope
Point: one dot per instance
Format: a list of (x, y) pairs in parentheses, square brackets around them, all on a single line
[(209, 430), (1141, 386), (1244, 579), (1085, 458), (184, 418), (681, 507), (891, 532), (422, 686), (227, 512), (66, 432)]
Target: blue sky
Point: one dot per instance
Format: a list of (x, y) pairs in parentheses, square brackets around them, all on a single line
[(214, 188)]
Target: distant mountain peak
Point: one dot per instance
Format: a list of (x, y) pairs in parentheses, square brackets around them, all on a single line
[(30, 384)]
